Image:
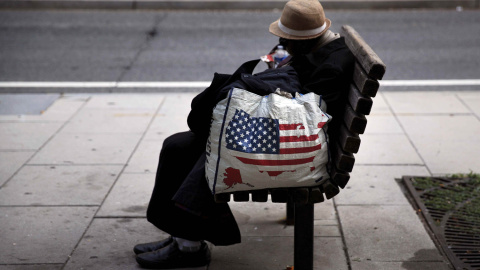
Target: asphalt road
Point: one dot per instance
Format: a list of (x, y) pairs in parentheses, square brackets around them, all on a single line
[(191, 46)]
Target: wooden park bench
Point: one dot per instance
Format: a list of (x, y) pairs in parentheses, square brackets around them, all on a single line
[(368, 69)]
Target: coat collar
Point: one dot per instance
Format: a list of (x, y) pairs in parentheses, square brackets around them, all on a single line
[(317, 57)]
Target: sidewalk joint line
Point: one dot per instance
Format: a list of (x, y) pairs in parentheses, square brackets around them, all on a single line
[(466, 105), (342, 234)]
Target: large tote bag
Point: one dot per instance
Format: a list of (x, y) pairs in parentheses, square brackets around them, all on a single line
[(259, 142)]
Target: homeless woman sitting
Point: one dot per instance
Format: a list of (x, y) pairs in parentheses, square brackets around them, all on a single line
[(182, 204)]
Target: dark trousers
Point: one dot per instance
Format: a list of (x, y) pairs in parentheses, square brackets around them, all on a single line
[(181, 203)]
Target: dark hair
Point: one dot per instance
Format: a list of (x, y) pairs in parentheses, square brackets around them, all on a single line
[(299, 47)]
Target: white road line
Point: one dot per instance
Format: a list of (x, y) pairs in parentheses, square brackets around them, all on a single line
[(58, 84), (104, 84), (203, 84), (429, 82)]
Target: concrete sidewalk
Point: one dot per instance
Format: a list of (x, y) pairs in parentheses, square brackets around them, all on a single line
[(76, 180), (230, 4)]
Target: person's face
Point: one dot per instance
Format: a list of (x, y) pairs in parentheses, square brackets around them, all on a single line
[(287, 44), (298, 47)]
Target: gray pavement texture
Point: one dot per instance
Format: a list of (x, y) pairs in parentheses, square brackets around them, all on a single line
[(76, 179), (230, 4)]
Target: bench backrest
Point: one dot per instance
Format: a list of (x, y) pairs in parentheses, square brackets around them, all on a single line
[(368, 69)]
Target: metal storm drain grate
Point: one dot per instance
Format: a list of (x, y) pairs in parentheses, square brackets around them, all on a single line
[(451, 207)]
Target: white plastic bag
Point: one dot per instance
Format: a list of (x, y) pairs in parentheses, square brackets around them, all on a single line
[(261, 142)]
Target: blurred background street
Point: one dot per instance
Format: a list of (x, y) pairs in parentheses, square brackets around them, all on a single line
[(162, 46)]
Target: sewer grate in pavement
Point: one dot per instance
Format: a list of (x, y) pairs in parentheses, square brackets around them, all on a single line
[(451, 207)]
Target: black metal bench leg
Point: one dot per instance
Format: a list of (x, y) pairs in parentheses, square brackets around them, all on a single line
[(303, 241), (290, 212)]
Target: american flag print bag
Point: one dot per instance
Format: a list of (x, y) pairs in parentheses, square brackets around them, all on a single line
[(259, 142)]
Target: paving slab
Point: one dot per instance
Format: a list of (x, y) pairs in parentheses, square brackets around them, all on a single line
[(268, 219), (108, 243), (425, 102), (129, 197), (386, 233), (448, 143), (145, 158), (110, 121), (32, 267), (386, 149), (381, 118), (41, 234), (125, 101), (276, 253), (400, 265), (26, 136), (329, 253), (380, 106), (94, 148), (171, 118), (261, 219), (59, 185), (377, 185), (10, 162), (270, 253), (61, 110), (382, 124), (30, 104)]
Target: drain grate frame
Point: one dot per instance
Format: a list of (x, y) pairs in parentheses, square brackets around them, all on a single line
[(451, 208)]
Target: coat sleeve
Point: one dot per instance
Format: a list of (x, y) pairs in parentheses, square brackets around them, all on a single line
[(202, 106)]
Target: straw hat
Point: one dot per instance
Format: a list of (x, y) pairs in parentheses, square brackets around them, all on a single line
[(301, 19)]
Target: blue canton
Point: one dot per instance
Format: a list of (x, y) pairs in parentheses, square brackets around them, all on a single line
[(253, 134)]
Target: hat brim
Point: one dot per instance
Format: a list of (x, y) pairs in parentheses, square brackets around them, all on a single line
[(275, 29)]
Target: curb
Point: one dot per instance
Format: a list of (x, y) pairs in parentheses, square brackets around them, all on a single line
[(230, 4)]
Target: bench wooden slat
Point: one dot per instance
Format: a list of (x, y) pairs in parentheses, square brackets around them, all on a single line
[(260, 195), (366, 85), (349, 141), (241, 196), (354, 121), (340, 177), (279, 195), (330, 189), (222, 197), (343, 160), (360, 103), (315, 195), (369, 60)]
